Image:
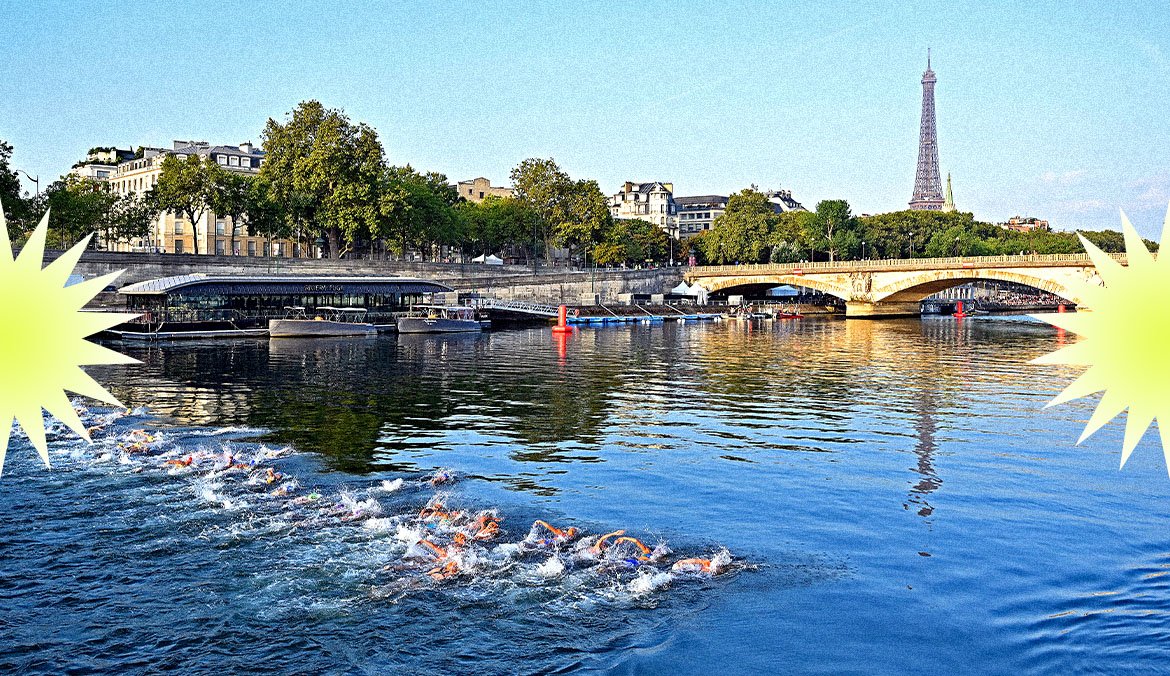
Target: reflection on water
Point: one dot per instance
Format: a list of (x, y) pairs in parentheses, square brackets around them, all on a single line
[(837, 454)]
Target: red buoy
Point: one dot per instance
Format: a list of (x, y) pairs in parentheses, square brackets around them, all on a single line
[(562, 323)]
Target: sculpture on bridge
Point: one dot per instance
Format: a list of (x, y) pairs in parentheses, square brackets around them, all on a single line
[(861, 285)]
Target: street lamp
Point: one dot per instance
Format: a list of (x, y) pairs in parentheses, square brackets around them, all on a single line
[(35, 179), (863, 249)]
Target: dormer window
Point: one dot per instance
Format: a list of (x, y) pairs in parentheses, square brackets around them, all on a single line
[(222, 159), (233, 161)]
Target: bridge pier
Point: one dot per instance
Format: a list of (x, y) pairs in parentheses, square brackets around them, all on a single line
[(861, 309)]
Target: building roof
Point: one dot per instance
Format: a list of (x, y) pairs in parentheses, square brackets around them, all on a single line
[(295, 283), (698, 200), (219, 150)]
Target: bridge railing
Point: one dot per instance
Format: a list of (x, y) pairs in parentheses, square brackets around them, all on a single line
[(955, 262), (516, 306)]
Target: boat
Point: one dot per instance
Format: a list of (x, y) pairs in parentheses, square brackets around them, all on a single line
[(441, 319), (327, 321)]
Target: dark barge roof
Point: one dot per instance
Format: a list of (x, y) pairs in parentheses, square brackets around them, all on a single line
[(244, 284)]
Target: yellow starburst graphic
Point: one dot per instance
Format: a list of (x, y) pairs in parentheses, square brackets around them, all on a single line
[(1125, 342), (43, 332)]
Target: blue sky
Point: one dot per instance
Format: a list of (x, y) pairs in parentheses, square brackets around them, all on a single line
[(1055, 109)]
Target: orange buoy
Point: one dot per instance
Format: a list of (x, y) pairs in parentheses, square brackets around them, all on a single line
[(562, 322)]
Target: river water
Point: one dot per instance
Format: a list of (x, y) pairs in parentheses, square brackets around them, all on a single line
[(892, 493)]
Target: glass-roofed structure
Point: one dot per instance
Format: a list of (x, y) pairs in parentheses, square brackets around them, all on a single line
[(200, 302)]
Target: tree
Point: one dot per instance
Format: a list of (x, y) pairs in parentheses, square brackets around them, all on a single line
[(741, 233), (328, 172), (545, 189), (834, 227), (791, 236), (79, 207), (185, 187), (17, 208), (631, 241), (495, 224), (585, 217), (230, 196), (129, 217), (263, 216)]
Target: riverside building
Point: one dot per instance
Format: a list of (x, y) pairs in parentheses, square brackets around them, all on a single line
[(212, 233), (698, 213), (652, 202), (478, 189)]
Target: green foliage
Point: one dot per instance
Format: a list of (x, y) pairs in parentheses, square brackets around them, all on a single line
[(495, 224), (632, 242), (328, 173), (544, 189), (78, 207), (187, 187), (230, 195), (743, 233), (18, 209), (834, 229), (747, 234)]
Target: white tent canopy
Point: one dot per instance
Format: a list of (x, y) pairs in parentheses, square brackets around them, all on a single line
[(488, 259), (695, 290)]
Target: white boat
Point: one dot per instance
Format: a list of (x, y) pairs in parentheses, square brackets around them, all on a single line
[(440, 319), (327, 321)]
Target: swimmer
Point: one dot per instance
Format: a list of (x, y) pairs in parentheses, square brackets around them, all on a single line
[(271, 476), (598, 547), (229, 462), (445, 571), (694, 566), (435, 510), (441, 477), (283, 490), (558, 535), (485, 527), (643, 554), (184, 462), (306, 499)]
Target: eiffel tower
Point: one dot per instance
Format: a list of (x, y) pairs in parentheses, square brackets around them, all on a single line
[(927, 182)]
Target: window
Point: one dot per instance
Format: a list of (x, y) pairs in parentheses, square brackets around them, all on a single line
[(251, 247), (235, 248), (178, 226), (481, 194), (219, 247), (234, 161), (223, 159), (178, 246), (266, 248), (246, 162), (219, 226), (278, 249)]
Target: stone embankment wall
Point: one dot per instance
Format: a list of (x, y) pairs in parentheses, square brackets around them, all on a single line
[(508, 282)]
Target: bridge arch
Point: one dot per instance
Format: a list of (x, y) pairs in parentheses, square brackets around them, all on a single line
[(920, 286), (723, 284)]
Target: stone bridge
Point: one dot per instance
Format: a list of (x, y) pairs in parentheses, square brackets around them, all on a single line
[(892, 288)]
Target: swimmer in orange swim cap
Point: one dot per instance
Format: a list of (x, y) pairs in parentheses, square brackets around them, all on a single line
[(694, 566), (558, 535), (598, 547)]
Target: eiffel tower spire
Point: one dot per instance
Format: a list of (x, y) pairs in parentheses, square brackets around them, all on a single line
[(927, 181), (949, 204)]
